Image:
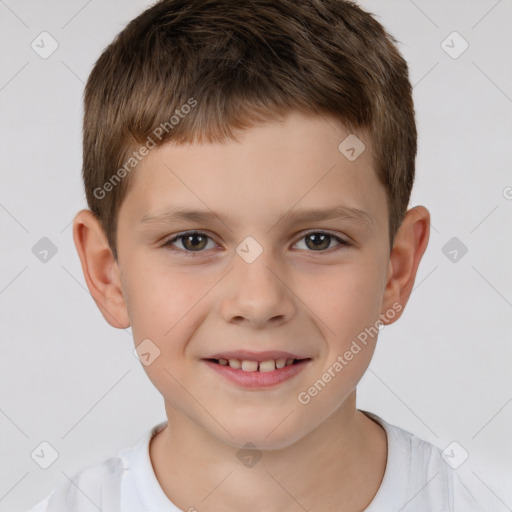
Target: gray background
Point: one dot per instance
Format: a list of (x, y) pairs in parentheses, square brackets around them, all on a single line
[(442, 372)]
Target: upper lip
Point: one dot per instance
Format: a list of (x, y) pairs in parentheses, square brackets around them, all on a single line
[(247, 355)]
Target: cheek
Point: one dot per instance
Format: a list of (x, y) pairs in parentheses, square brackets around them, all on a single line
[(160, 301), (349, 300), (163, 315), (348, 309)]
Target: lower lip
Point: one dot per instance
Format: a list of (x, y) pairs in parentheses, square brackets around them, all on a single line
[(258, 379)]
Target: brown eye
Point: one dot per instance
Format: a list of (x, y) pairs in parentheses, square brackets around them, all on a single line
[(190, 242), (317, 241), (194, 242), (320, 241)]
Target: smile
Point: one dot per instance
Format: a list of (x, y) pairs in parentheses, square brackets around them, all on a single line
[(257, 371), (249, 365)]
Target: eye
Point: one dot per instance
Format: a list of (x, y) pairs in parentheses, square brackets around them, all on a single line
[(195, 241), (320, 241), (192, 241)]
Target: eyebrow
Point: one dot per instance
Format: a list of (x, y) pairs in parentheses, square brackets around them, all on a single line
[(174, 214)]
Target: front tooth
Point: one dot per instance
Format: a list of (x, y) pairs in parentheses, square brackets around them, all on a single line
[(234, 363), (250, 366), (289, 362), (268, 366), (223, 362), (280, 363)]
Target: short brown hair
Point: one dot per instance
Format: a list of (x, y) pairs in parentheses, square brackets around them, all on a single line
[(236, 63)]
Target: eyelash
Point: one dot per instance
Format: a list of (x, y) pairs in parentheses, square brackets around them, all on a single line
[(169, 242)]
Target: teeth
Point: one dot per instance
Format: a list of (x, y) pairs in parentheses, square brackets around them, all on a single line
[(253, 366), (250, 366), (267, 366), (234, 363)]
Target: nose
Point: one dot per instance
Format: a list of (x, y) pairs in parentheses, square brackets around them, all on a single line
[(258, 294)]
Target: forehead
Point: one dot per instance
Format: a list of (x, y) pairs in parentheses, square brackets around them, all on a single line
[(299, 161)]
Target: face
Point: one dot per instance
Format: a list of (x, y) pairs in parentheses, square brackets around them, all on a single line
[(257, 279)]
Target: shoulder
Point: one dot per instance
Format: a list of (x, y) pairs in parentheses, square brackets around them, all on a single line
[(96, 487), (41, 506), (418, 476)]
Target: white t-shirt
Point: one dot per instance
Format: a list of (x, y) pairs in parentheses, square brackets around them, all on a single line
[(416, 479)]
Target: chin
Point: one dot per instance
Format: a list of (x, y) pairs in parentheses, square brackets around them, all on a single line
[(263, 434)]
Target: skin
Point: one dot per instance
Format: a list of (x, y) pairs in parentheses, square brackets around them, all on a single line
[(322, 456)]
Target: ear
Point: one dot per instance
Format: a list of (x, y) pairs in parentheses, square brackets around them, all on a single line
[(100, 269), (409, 245)]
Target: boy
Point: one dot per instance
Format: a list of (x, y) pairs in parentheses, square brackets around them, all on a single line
[(248, 167)]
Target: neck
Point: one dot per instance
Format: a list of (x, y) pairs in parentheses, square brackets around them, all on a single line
[(337, 467)]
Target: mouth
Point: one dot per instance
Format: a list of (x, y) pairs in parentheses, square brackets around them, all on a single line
[(259, 370), (254, 365)]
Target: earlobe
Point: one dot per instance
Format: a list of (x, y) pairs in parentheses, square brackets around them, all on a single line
[(409, 245), (100, 269)]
